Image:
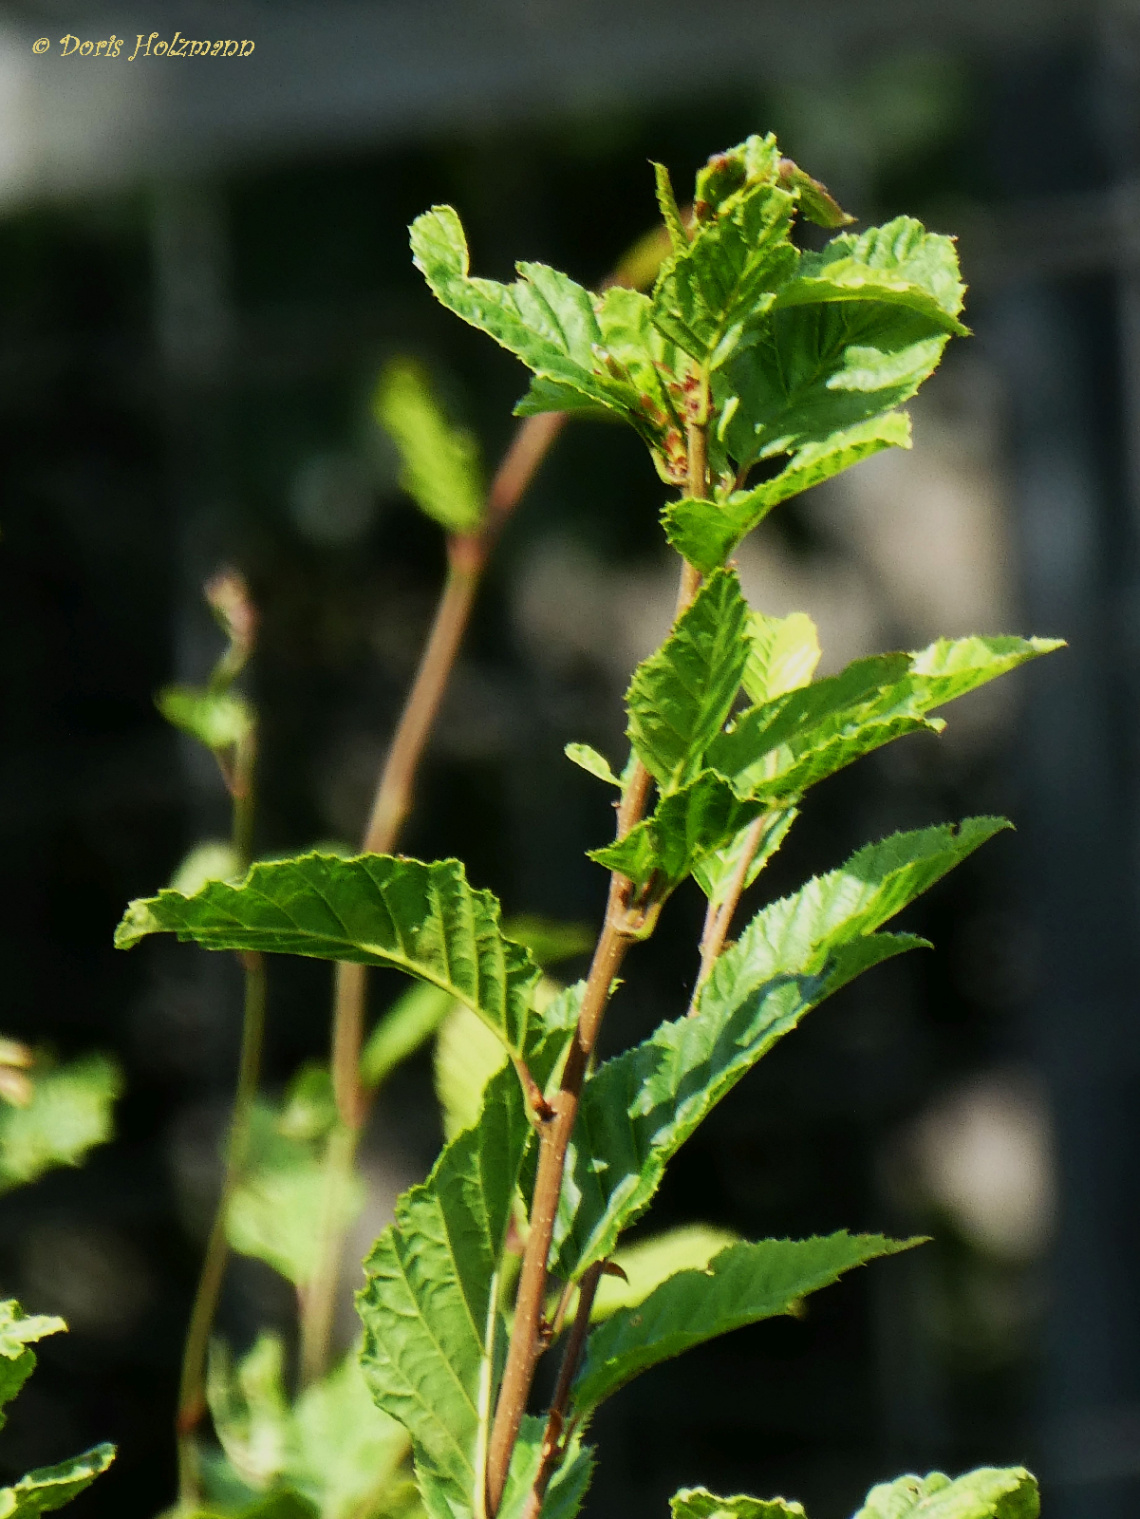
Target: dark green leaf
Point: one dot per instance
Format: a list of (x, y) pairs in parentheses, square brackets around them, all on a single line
[(741, 1285), (680, 696), (988, 1493), (639, 1108), (439, 462), (372, 910)]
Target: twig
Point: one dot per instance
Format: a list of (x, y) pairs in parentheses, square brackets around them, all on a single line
[(719, 914)]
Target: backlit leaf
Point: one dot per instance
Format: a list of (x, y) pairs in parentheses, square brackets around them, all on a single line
[(70, 1112), (439, 461), (988, 1493)]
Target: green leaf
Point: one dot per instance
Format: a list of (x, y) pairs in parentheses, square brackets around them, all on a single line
[(371, 910), (706, 532), (639, 1108), (650, 1261), (716, 872), (816, 201), (686, 827), (783, 653), (567, 1487), (467, 1055), (592, 762), (784, 746), (743, 1284), (680, 696), (432, 1325), (217, 719), (712, 295), (439, 462), (282, 1207), (18, 1331), (699, 1503), (213, 860), (548, 939), (670, 212), (51, 1487), (899, 263), (407, 1025), (70, 1112), (250, 1410), (988, 1493)]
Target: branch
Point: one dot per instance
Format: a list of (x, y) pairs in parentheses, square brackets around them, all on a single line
[(719, 914)]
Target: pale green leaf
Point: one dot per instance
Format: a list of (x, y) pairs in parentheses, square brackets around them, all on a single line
[(218, 719), (670, 212), (346, 1454), (406, 1027), (433, 1328), (706, 532), (439, 462), (213, 860), (250, 1410), (639, 1108), (699, 1503), (70, 1113), (18, 1331), (50, 1487), (680, 696), (988, 1493), (548, 939), (741, 1285), (371, 910), (467, 1055), (716, 872), (592, 762), (650, 1261), (783, 653)]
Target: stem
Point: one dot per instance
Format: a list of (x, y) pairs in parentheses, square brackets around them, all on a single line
[(467, 558), (623, 924), (556, 1419), (719, 914), (191, 1390), (191, 1393)]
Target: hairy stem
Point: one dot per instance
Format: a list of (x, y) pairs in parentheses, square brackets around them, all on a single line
[(467, 557)]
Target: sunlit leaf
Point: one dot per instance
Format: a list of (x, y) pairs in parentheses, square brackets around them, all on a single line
[(439, 461)]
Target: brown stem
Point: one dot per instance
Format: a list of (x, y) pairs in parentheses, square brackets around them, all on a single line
[(719, 914), (556, 1419)]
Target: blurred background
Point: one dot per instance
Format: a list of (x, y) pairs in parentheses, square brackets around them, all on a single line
[(203, 268)]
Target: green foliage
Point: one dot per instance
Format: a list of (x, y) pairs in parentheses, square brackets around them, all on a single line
[(741, 1285), (332, 1448), (47, 1487), (651, 1261), (989, 1493), (407, 1025), (699, 1503), (217, 718), (439, 462), (68, 1114), (371, 910)]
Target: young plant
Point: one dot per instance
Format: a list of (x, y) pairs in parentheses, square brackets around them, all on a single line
[(752, 370)]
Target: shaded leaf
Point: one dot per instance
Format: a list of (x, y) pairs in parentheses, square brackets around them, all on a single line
[(549, 939), (988, 1493), (680, 696), (639, 1108), (372, 910), (650, 1261), (406, 1027), (439, 461), (741, 1285), (69, 1113)]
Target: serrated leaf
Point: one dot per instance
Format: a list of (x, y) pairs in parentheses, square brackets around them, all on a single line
[(680, 696), (784, 746), (218, 719), (670, 212), (712, 295), (716, 871), (899, 263), (592, 763), (18, 1331), (741, 1285), (372, 910), (706, 532), (685, 828), (783, 653), (406, 1027), (50, 1487), (988, 1493), (567, 1486), (651, 1261), (699, 1503), (639, 1108), (70, 1112), (432, 1325), (439, 461)]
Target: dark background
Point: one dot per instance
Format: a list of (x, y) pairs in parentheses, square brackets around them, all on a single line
[(204, 265)]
